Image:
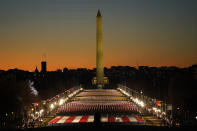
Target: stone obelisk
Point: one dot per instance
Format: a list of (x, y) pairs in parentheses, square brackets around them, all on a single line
[(99, 52)]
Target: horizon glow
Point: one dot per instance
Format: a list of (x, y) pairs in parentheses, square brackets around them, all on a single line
[(150, 33)]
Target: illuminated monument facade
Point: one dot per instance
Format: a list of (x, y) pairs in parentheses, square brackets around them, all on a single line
[(99, 80)]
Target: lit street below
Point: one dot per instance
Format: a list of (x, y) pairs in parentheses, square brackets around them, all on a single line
[(113, 106)]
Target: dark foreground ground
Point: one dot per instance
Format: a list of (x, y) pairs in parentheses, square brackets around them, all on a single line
[(108, 128)]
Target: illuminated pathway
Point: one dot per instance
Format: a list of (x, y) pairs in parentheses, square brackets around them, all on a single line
[(114, 107)]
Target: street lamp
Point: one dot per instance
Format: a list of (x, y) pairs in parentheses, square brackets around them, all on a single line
[(52, 106), (41, 111), (61, 101)]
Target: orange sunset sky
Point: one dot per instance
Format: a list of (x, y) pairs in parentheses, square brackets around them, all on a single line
[(151, 33)]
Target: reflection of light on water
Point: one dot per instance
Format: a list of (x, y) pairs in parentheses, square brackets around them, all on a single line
[(33, 90)]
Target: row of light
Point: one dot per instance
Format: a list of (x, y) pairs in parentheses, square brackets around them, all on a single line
[(75, 92), (38, 114), (55, 104), (61, 101), (136, 100), (156, 110), (124, 92), (140, 103)]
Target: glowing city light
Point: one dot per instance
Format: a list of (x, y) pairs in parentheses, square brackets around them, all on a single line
[(141, 104), (41, 111), (61, 101), (52, 106), (157, 110)]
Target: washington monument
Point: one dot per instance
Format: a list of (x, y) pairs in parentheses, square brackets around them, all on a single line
[(100, 80)]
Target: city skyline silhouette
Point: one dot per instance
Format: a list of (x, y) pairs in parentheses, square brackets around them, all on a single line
[(84, 64)]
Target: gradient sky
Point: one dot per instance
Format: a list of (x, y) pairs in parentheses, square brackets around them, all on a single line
[(135, 32)]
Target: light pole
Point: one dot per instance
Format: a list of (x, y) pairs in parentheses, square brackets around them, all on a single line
[(141, 95)]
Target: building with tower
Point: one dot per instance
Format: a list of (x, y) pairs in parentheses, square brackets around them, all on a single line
[(43, 66)]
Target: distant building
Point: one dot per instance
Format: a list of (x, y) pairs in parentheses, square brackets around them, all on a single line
[(36, 73), (59, 70), (65, 70), (194, 70), (36, 70), (43, 67)]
